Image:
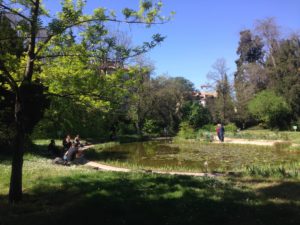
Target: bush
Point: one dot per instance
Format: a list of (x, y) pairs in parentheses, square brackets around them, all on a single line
[(186, 131), (231, 127), (151, 128), (125, 128), (209, 127), (195, 114), (271, 109)]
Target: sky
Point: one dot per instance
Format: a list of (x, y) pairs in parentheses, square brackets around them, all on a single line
[(201, 31)]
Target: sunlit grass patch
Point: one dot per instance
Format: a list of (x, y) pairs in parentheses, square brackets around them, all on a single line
[(288, 171)]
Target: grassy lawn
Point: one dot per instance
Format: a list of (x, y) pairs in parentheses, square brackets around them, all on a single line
[(291, 136), (76, 195)]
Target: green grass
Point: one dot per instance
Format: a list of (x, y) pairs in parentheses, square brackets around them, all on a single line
[(291, 136), (77, 195)]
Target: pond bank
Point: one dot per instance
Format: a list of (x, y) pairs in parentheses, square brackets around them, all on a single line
[(103, 167)]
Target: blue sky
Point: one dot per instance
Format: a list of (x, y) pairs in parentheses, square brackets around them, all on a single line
[(202, 31)]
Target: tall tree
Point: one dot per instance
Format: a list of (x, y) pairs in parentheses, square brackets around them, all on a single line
[(269, 32), (224, 108), (286, 76), (250, 76), (170, 95), (29, 92)]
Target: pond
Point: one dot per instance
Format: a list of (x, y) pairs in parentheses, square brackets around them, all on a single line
[(219, 157)]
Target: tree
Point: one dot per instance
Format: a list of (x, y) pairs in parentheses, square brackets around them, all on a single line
[(170, 95), (269, 32), (196, 115), (29, 92), (271, 109), (12, 48), (141, 98), (250, 48), (286, 76), (250, 76), (224, 108)]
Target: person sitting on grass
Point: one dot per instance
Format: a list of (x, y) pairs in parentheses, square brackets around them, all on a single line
[(74, 152), (77, 140), (67, 143), (53, 149)]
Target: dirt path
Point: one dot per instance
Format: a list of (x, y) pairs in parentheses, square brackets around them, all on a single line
[(103, 167), (251, 142)]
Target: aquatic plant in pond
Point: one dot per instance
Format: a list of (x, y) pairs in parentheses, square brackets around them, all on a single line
[(197, 156)]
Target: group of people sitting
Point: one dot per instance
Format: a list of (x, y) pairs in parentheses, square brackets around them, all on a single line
[(72, 149)]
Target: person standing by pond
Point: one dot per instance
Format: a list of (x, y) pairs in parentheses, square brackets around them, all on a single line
[(218, 131), (222, 133)]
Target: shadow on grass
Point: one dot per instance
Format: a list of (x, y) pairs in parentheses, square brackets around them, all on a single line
[(40, 150), (5, 159), (285, 190), (113, 198)]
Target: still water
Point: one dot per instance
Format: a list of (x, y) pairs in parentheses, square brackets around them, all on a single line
[(219, 157)]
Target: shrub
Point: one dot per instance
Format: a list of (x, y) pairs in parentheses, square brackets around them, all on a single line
[(186, 131), (271, 109), (231, 127), (209, 127), (151, 127)]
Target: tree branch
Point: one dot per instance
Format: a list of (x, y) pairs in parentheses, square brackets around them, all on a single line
[(15, 12), (10, 80), (89, 21)]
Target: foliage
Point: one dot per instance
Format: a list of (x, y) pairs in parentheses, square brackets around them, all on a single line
[(169, 95), (231, 127), (186, 131), (221, 107), (286, 74), (209, 127), (44, 44), (250, 48), (151, 128), (196, 114), (270, 109), (267, 61)]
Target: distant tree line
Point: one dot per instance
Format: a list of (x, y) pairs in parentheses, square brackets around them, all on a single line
[(265, 87), (267, 80)]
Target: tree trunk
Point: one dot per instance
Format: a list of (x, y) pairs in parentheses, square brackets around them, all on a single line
[(15, 189), (138, 128)]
